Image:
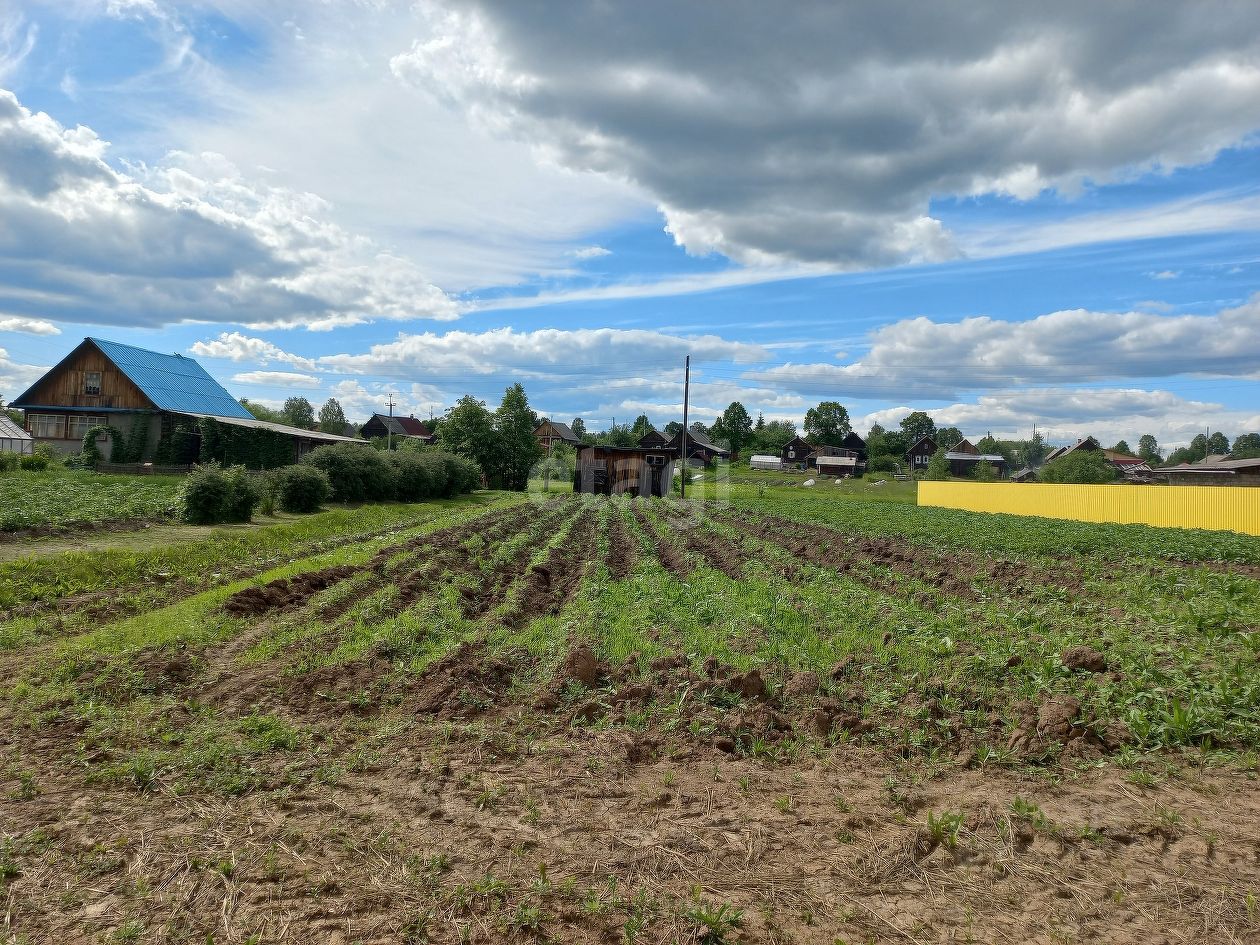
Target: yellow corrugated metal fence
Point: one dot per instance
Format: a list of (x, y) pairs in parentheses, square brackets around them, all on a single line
[(1222, 508)]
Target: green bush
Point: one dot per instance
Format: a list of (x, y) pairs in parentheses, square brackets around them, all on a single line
[(34, 462), (1081, 466), (984, 471), (301, 488), (211, 494), (417, 476), (884, 463), (9, 461), (357, 474), (462, 474), (90, 453), (938, 466)]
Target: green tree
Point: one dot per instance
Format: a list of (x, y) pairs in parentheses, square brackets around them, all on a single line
[(617, 434), (1148, 449), (991, 447), (1217, 443), (948, 437), (261, 412), (938, 466), (519, 450), (332, 419), (1122, 446), (1033, 451), (673, 428), (773, 436), (1246, 441), (298, 412), (916, 426), (827, 424), (578, 426), (736, 427), (641, 427), (984, 471), (1085, 466), (467, 429)]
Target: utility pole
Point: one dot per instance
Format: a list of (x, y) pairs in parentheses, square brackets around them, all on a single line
[(389, 433), (686, 395)]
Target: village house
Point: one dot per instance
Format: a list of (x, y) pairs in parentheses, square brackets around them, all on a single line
[(653, 439), (919, 453), (616, 470), (550, 433), (796, 451), (384, 425), (965, 457), (105, 383), (701, 450)]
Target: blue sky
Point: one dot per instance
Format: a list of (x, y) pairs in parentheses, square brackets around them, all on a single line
[(1043, 217)]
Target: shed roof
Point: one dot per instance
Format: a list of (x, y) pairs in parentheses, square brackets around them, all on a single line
[(562, 430), (254, 424), (976, 457)]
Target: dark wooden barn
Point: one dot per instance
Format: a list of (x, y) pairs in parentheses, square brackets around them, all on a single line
[(616, 470), (918, 455), (653, 440), (796, 450), (384, 425)]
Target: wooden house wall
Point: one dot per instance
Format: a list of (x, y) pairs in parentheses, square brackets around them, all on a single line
[(63, 385)]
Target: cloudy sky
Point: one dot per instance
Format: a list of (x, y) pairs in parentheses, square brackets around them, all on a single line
[(1002, 213)]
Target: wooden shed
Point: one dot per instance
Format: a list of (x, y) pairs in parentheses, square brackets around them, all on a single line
[(615, 470)]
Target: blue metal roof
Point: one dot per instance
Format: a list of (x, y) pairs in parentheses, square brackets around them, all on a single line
[(172, 381)]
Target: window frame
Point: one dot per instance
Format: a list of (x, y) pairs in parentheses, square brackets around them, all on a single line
[(88, 389), (40, 418), (84, 422)]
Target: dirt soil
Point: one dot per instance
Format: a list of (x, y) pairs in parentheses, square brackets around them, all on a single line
[(474, 834)]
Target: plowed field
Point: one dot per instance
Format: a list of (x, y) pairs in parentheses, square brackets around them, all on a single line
[(591, 720)]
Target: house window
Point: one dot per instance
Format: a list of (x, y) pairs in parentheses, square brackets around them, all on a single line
[(791, 454), (47, 426), (77, 426), (92, 382)]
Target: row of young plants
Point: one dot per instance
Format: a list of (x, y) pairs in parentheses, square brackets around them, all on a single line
[(342, 472)]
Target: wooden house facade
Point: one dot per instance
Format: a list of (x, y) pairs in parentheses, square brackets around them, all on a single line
[(796, 451), (964, 457), (620, 470), (653, 440), (550, 433), (919, 453)]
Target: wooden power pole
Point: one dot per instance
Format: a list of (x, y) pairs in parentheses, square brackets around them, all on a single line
[(686, 394)]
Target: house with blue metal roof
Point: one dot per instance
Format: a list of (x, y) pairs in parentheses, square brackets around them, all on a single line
[(143, 394)]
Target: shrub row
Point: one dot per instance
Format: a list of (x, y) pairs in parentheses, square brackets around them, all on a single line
[(364, 475), (342, 472)]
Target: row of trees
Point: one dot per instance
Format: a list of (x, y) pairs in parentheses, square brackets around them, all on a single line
[(299, 412)]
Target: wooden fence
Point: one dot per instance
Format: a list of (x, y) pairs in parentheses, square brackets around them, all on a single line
[(1219, 508)]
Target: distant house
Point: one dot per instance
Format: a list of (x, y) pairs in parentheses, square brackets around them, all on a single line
[(1212, 472), (965, 457), (1086, 443), (1024, 475), (700, 449), (104, 383), (858, 446), (550, 433), (617, 470), (383, 425), (796, 450), (919, 453), (653, 439)]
